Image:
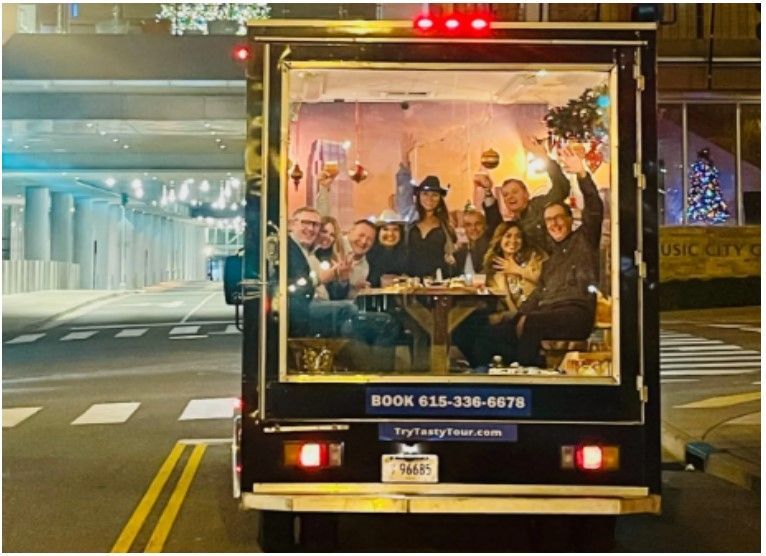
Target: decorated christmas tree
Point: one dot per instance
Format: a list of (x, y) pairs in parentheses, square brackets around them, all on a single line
[(705, 201), (582, 118)]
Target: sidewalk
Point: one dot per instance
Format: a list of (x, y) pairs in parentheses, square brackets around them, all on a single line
[(32, 310), (722, 433)]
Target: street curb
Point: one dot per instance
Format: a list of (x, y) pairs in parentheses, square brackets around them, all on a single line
[(712, 461), (41, 323)]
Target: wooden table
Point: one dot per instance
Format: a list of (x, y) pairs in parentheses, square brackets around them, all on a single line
[(437, 310)]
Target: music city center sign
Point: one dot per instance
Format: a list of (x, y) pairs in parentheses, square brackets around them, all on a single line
[(688, 252)]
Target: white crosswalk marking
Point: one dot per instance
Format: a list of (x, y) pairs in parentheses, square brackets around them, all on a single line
[(12, 416), (230, 329), (131, 333), (211, 408), (691, 356), (25, 339), (178, 330), (107, 413), (79, 335)]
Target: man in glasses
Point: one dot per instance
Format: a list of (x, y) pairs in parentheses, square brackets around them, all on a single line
[(562, 307), (304, 274)]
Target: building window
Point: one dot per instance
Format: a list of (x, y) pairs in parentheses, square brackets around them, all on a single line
[(671, 164), (709, 160), (750, 170)]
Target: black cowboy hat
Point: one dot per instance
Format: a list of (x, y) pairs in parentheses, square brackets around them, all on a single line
[(431, 183)]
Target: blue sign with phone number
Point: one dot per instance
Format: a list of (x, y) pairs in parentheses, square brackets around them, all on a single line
[(477, 402)]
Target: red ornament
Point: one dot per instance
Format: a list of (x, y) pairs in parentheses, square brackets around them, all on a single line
[(358, 173), (593, 157), (296, 175)]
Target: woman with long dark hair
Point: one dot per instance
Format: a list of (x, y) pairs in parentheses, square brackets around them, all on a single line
[(388, 255), (513, 265), (431, 238), (513, 269)]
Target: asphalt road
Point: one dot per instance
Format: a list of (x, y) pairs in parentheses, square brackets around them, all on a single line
[(143, 388)]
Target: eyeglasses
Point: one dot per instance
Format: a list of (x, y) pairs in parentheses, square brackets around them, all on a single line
[(310, 223), (559, 218)]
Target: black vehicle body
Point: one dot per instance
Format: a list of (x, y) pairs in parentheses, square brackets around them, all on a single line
[(520, 477)]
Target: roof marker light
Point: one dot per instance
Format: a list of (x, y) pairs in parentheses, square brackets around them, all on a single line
[(424, 23), (242, 53), (479, 24), (452, 23)]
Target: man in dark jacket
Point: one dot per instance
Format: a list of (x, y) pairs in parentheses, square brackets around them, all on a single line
[(528, 211), (563, 305), (479, 228)]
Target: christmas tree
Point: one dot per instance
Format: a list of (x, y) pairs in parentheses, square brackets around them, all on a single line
[(705, 202), (582, 118)]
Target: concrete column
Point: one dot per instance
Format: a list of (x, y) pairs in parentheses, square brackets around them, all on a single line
[(101, 240), (165, 248), (17, 233), (113, 246), (62, 227), (37, 224), (128, 238), (135, 253), (83, 241), (156, 241)]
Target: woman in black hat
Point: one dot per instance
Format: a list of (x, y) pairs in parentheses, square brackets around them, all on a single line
[(431, 239)]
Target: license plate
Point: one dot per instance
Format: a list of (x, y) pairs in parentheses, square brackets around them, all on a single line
[(421, 468)]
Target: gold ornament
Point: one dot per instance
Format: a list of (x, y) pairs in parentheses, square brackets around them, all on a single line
[(296, 175), (314, 360), (490, 159)]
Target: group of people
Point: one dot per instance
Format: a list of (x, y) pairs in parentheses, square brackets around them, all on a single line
[(545, 266)]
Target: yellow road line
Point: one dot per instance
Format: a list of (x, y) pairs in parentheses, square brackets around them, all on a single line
[(169, 514), (141, 512), (722, 401)]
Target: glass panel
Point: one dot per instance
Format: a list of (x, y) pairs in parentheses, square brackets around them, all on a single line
[(711, 199), (750, 126), (670, 156), (418, 236)]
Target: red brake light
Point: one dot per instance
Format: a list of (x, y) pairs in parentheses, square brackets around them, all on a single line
[(242, 53), (313, 455), (452, 23), (589, 457)]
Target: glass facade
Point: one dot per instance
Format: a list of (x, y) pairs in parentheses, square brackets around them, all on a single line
[(709, 159)]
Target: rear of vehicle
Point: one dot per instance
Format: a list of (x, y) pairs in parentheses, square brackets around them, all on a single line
[(579, 437)]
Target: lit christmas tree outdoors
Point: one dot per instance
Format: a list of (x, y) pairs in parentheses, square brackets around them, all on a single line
[(195, 17), (705, 201)]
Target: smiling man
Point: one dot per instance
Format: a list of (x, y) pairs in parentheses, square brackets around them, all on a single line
[(562, 307)]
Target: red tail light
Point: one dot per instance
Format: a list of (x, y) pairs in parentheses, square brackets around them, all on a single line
[(313, 455), (590, 457)]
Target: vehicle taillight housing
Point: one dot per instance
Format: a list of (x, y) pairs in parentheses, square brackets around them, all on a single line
[(313, 455), (590, 457)]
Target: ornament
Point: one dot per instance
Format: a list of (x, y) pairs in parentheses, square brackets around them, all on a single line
[(316, 360), (594, 158), (296, 175), (490, 159), (358, 173)]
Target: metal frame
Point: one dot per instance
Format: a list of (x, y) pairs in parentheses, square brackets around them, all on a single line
[(738, 101), (284, 377)]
